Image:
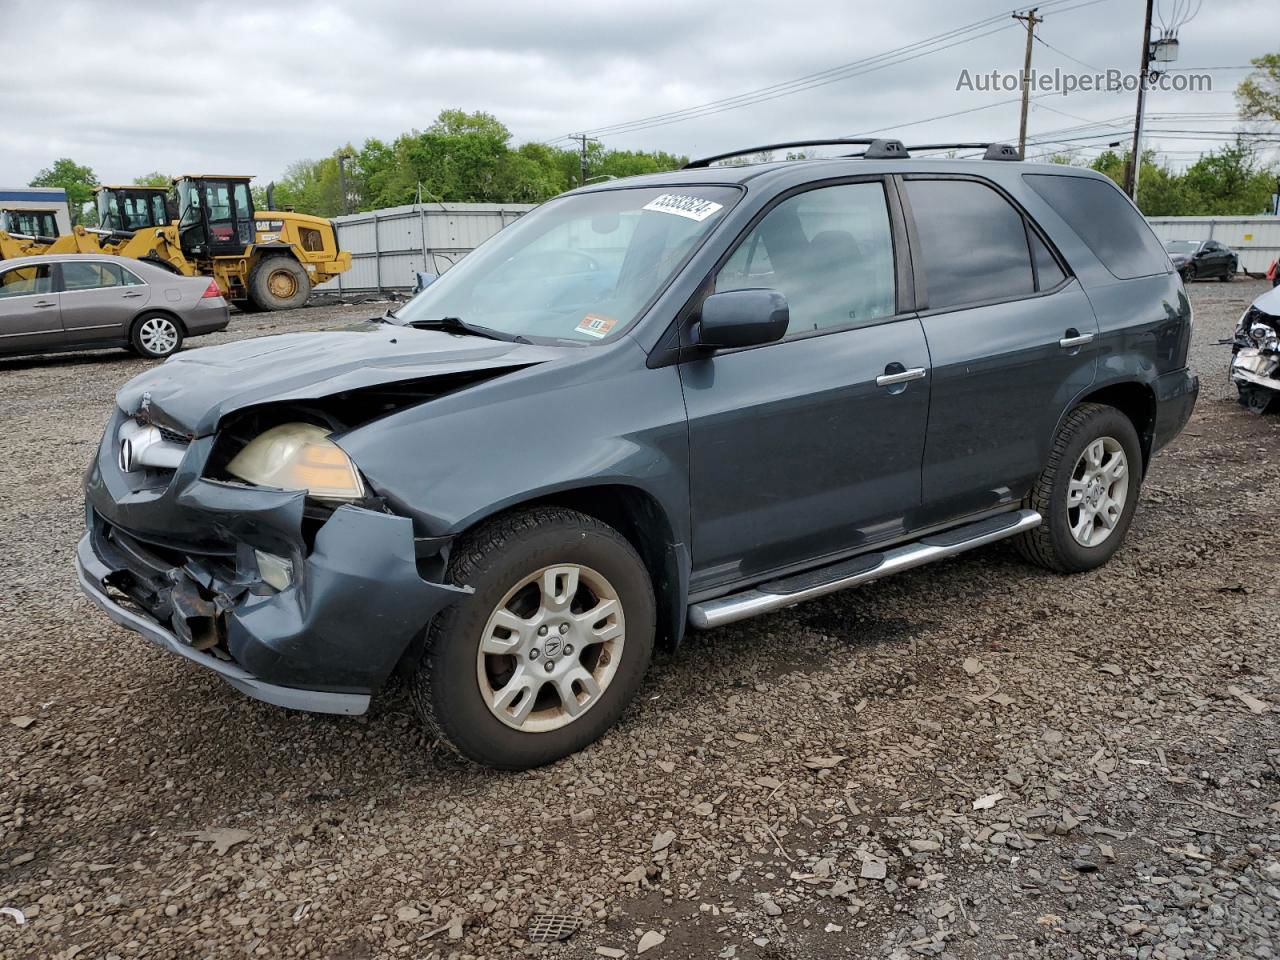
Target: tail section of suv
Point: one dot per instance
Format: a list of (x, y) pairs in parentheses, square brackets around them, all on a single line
[(685, 398)]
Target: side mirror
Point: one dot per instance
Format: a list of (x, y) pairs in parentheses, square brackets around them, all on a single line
[(742, 318)]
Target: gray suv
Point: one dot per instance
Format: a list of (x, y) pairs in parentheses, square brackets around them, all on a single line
[(687, 398)]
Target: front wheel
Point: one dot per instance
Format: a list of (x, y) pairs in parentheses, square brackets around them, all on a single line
[(1087, 493), (545, 654), (279, 283), (1188, 273), (1229, 272)]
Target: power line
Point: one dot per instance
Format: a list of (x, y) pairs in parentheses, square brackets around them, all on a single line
[(845, 71)]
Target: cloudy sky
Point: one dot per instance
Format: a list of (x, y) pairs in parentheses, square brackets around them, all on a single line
[(235, 86)]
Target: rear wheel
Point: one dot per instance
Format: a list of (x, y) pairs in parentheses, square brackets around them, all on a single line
[(1087, 493), (279, 283), (545, 654), (156, 335)]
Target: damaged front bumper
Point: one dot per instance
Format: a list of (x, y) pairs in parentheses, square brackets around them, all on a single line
[(178, 559)]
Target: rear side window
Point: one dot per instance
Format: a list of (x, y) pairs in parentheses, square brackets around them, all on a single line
[(1106, 221), (1048, 271), (85, 275), (973, 243)]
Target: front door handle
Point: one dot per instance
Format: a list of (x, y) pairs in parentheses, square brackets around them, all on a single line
[(41, 304), (1075, 339), (904, 376)]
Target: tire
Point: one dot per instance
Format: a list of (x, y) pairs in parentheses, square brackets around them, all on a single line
[(1228, 273), (1188, 273), (156, 336), (455, 682), (279, 283), (1053, 544)]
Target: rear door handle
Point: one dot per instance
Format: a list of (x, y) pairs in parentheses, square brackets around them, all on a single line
[(41, 304), (906, 376), (130, 296), (1073, 339)]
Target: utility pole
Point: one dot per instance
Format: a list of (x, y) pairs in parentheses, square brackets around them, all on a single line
[(1030, 19), (1135, 160), (583, 139)]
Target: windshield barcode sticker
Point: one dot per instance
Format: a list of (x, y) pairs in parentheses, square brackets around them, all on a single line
[(694, 208)]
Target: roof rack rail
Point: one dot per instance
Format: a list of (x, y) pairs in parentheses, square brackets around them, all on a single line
[(877, 149), (994, 151)]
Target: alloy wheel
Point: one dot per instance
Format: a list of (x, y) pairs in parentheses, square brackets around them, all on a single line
[(158, 335), (551, 648), (1097, 492)]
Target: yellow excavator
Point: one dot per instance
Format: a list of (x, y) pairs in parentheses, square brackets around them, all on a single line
[(261, 260)]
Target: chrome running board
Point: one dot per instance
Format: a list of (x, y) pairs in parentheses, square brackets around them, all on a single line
[(789, 591)]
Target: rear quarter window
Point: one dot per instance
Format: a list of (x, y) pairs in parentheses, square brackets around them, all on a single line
[(1106, 221)]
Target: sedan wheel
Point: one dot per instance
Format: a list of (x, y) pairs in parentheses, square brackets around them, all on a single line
[(156, 336), (1097, 492), (551, 648)]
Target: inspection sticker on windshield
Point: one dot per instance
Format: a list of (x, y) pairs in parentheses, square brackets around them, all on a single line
[(694, 208), (594, 326)]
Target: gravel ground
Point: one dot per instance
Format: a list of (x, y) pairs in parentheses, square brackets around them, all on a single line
[(976, 759)]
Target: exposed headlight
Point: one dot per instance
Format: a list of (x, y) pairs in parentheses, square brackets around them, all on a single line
[(299, 456)]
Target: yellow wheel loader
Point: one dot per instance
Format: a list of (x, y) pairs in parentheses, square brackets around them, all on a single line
[(263, 260)]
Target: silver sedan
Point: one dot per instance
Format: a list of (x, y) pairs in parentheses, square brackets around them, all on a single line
[(87, 302)]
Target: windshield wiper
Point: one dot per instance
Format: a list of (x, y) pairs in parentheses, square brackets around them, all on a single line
[(458, 325)]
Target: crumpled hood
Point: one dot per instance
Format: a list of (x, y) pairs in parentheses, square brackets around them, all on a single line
[(1269, 302), (195, 389)]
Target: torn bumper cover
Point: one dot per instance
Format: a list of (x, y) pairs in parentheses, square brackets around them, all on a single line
[(177, 559), (1255, 357)]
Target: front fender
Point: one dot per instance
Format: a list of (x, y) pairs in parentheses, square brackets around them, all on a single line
[(603, 419)]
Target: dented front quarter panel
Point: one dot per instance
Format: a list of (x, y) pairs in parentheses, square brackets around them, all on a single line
[(597, 417)]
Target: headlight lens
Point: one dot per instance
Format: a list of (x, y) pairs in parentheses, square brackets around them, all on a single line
[(299, 456)]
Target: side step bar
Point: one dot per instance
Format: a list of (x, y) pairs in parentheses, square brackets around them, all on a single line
[(789, 591)]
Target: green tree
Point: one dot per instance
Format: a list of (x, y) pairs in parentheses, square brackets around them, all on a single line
[(1258, 95), (153, 179), (72, 177), (1230, 182)]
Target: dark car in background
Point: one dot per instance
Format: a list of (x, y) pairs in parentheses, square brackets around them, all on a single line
[(685, 398), (1202, 259), (86, 302)]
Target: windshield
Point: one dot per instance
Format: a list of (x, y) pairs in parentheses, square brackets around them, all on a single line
[(581, 268), (1184, 247)]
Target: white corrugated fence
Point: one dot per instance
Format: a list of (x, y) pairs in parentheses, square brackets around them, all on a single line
[(389, 246)]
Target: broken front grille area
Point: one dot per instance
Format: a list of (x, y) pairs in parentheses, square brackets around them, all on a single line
[(188, 593)]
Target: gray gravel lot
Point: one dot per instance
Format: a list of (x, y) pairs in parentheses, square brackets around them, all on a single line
[(977, 759)]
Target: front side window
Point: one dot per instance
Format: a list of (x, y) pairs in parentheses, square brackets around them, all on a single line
[(972, 241), (829, 251), (578, 268), (25, 281)]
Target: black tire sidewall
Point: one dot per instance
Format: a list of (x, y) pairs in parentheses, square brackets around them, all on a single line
[(458, 706), (135, 336), (1105, 422), (259, 289)]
